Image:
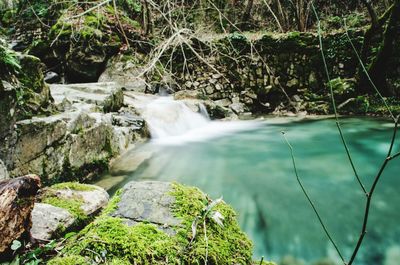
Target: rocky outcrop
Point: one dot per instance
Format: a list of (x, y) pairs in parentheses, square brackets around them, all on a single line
[(92, 127), (23, 94), (160, 223), (17, 197), (64, 206)]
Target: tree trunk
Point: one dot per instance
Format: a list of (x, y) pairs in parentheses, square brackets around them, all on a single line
[(17, 197), (378, 68), (372, 12), (247, 13)]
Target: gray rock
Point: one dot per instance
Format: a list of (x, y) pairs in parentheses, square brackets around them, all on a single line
[(147, 201), (93, 200), (216, 76), (223, 102), (124, 73), (108, 96), (209, 90), (238, 108), (48, 219), (187, 94), (3, 171)]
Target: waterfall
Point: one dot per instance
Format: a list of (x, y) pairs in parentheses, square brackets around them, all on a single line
[(173, 122)]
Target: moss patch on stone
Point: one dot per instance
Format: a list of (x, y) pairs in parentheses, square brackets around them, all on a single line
[(72, 205), (69, 260), (73, 186), (225, 244), (112, 241)]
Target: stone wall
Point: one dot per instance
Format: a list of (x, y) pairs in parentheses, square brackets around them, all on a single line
[(255, 72)]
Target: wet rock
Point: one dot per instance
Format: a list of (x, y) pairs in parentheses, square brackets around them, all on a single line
[(17, 197), (127, 119)]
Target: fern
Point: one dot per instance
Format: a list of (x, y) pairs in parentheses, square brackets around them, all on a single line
[(9, 63)]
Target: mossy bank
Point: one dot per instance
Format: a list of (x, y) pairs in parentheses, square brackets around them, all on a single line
[(197, 238)]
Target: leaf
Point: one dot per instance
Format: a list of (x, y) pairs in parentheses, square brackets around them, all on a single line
[(218, 218), (212, 205), (194, 228), (70, 234), (16, 245)]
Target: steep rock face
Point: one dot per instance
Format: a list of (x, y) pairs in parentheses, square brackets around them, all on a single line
[(22, 95), (79, 141), (17, 197)]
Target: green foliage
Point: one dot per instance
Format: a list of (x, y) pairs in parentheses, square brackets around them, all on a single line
[(130, 6), (30, 256), (9, 62), (112, 204), (109, 240), (342, 88)]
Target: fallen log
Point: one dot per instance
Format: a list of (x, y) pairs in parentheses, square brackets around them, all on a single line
[(17, 197)]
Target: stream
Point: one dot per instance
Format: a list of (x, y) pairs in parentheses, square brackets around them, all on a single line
[(249, 164)]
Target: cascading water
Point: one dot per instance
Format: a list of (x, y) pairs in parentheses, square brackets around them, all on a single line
[(167, 117), (174, 122)]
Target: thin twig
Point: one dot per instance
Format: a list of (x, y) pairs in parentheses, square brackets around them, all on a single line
[(366, 71), (334, 103), (371, 192), (309, 199)]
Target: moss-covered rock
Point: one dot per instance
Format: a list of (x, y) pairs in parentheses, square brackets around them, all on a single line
[(23, 93), (206, 232), (67, 205)]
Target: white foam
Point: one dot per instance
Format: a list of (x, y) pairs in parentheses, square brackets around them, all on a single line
[(172, 122)]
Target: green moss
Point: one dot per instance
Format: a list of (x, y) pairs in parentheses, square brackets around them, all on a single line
[(84, 173), (146, 244), (69, 260), (73, 186), (112, 204), (72, 205), (190, 202)]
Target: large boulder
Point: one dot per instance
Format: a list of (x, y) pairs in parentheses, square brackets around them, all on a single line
[(124, 70), (17, 197), (65, 205), (160, 223)]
